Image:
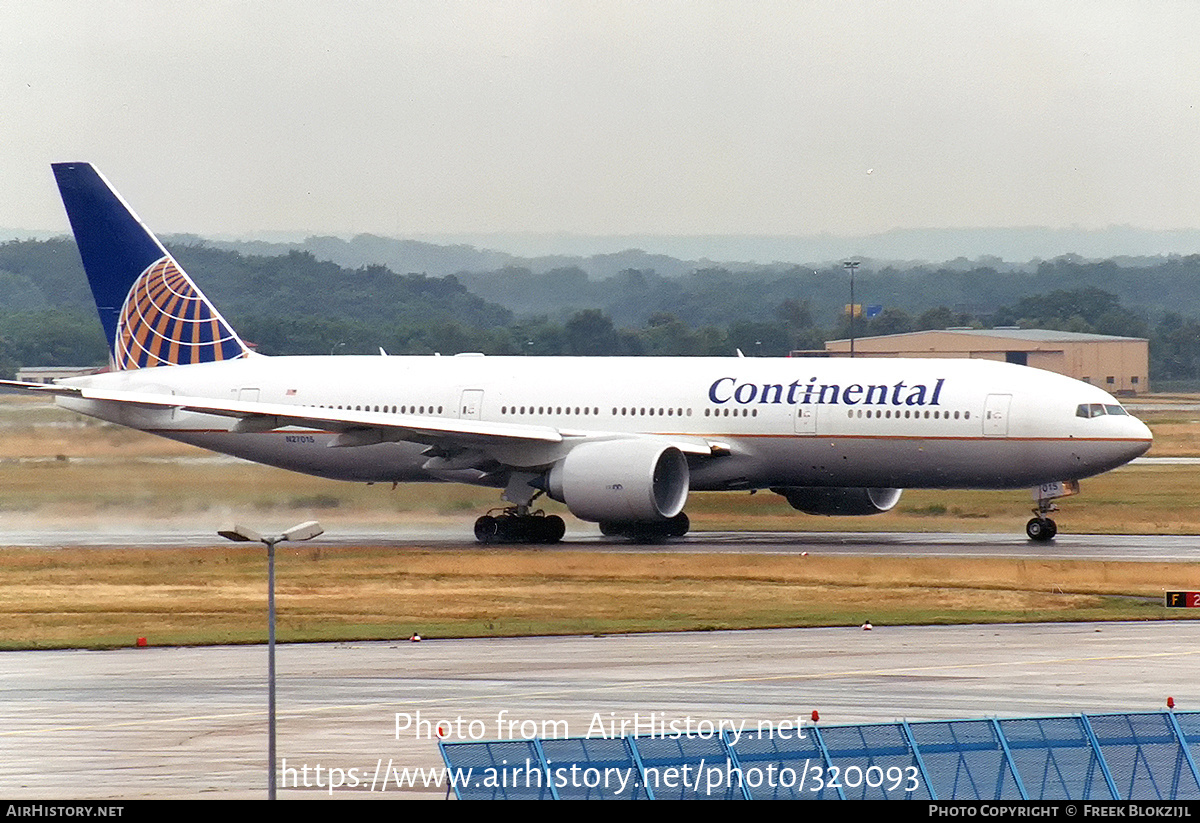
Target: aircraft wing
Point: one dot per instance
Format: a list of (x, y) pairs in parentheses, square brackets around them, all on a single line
[(357, 428), (39, 388)]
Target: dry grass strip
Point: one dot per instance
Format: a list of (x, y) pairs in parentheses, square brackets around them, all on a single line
[(90, 597)]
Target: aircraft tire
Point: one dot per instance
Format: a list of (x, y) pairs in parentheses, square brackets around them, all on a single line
[(486, 529), (553, 528), (1040, 529), (678, 525)]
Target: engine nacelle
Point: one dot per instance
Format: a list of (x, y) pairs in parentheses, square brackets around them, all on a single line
[(832, 500), (627, 481)]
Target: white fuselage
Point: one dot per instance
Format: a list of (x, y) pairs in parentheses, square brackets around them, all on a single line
[(932, 423)]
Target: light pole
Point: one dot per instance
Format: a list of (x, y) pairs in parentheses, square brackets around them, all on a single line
[(851, 266), (240, 534)]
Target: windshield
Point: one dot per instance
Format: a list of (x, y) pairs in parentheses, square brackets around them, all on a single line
[(1099, 409)]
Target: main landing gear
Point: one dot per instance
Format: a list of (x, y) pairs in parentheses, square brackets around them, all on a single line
[(677, 526), (514, 526), (518, 523)]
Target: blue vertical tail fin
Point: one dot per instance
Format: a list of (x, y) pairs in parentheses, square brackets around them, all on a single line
[(152, 312)]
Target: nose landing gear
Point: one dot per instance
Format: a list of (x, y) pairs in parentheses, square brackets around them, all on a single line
[(1041, 528)]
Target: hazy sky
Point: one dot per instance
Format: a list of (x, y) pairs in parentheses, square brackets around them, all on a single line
[(606, 117)]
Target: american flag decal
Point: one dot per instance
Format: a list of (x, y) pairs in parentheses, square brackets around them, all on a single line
[(167, 321)]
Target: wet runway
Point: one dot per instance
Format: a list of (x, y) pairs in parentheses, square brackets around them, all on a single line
[(1065, 546)]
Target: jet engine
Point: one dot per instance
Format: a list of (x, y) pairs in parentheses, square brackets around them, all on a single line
[(627, 481), (832, 500)]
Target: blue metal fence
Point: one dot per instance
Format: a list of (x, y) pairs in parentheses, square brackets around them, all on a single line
[(1150, 756)]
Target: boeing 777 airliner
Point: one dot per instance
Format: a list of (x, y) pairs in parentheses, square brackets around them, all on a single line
[(621, 441)]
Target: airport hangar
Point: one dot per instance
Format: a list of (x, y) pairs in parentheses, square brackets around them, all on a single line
[(1119, 365)]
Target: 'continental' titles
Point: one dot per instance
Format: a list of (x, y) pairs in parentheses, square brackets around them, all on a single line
[(729, 390)]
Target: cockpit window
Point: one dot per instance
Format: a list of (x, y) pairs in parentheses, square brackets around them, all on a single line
[(1087, 410)]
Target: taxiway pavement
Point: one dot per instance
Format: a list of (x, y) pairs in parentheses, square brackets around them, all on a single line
[(190, 722)]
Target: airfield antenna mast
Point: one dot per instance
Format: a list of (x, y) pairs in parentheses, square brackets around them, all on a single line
[(852, 266)]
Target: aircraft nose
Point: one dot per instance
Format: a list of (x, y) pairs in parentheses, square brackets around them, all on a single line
[(1141, 436)]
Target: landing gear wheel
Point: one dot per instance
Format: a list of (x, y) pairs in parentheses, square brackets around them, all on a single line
[(676, 526), (554, 528), (511, 527), (1041, 529), (487, 529)]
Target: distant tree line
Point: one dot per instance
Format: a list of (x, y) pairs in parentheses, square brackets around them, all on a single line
[(296, 304), (719, 295)]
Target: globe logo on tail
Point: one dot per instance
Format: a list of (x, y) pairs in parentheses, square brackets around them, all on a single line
[(166, 321)]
